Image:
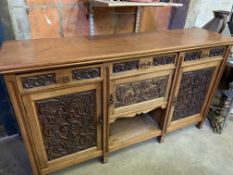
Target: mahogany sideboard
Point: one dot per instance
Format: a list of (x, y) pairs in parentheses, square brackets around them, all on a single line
[(81, 98)]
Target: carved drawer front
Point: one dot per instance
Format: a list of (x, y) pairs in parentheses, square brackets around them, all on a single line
[(143, 63), (194, 55), (164, 59), (65, 122), (29, 82), (219, 51), (125, 66), (192, 92), (204, 53), (87, 73), (38, 80), (138, 93)]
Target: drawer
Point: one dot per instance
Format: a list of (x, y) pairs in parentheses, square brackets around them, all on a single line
[(143, 64), (210, 53), (30, 82), (139, 94)]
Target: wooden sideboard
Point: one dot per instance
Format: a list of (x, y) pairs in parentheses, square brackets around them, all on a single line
[(79, 98)]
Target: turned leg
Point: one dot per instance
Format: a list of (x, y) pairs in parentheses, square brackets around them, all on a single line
[(161, 139), (199, 125), (104, 159)]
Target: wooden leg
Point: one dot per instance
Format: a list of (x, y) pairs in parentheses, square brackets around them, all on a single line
[(159, 115), (199, 125), (161, 139), (104, 159)]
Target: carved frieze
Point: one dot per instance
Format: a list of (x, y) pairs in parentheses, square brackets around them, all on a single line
[(163, 60), (195, 55), (88, 73), (68, 123), (192, 92), (217, 52), (139, 91), (38, 80), (125, 66)]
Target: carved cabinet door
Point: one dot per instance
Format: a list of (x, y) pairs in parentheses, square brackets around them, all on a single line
[(136, 94), (192, 92), (65, 124)]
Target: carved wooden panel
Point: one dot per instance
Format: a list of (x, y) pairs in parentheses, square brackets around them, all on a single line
[(63, 76), (145, 63), (125, 66), (88, 73), (192, 92), (195, 55), (217, 52), (139, 91), (38, 80), (68, 123), (162, 60)]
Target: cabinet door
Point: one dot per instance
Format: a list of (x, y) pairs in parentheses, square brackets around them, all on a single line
[(192, 93), (140, 93), (65, 124)]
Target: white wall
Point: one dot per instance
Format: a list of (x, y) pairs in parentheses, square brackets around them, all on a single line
[(201, 11)]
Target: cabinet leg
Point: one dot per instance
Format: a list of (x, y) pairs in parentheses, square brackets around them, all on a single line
[(104, 159), (161, 139), (199, 125)]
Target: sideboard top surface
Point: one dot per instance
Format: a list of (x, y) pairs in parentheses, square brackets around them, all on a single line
[(28, 55)]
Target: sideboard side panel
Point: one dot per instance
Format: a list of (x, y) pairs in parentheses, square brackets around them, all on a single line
[(215, 84), (22, 121)]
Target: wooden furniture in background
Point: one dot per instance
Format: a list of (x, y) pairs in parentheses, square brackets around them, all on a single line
[(54, 19), (111, 3), (79, 98)]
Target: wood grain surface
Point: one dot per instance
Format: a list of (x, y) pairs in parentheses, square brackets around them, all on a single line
[(27, 55)]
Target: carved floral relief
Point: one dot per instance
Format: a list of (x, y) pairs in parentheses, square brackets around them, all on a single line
[(68, 123), (139, 91), (192, 92)]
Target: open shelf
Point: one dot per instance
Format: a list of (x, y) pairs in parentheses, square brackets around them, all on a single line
[(128, 131), (107, 3)]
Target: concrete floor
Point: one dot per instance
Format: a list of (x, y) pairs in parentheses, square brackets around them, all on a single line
[(187, 151)]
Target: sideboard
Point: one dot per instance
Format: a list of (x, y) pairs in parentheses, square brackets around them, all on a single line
[(80, 98)]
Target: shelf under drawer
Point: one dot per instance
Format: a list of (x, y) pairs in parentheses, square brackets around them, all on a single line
[(128, 131)]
